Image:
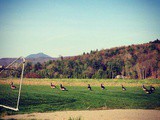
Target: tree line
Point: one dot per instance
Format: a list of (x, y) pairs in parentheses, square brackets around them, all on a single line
[(135, 61)]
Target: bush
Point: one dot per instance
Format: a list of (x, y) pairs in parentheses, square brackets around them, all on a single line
[(32, 75)]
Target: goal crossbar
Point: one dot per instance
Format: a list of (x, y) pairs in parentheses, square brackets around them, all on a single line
[(19, 93)]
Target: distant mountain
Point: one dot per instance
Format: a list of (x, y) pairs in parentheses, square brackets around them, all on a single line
[(34, 58), (38, 55), (6, 61)]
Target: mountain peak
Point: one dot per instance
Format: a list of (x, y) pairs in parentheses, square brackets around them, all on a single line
[(38, 55)]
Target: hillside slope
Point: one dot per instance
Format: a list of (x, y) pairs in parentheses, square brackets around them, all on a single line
[(134, 61)]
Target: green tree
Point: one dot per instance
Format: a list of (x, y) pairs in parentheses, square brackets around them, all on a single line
[(37, 66), (28, 67)]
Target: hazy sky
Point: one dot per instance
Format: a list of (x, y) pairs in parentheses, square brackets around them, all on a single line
[(71, 27)]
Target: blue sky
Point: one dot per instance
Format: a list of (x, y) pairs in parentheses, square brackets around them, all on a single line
[(71, 27)]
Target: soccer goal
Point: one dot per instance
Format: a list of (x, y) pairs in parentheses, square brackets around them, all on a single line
[(11, 78)]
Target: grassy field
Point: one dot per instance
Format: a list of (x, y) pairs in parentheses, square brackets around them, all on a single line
[(40, 97)]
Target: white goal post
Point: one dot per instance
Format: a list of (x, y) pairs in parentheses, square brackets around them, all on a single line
[(21, 78)]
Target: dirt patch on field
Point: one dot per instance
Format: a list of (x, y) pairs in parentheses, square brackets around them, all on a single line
[(117, 114)]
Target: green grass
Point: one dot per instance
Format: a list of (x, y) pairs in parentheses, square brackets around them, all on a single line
[(41, 98)]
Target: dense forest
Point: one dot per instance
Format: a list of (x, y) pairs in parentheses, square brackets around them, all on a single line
[(134, 61)]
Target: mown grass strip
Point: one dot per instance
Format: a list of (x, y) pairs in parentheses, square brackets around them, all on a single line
[(84, 82)]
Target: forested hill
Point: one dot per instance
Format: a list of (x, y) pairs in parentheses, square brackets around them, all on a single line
[(134, 61)]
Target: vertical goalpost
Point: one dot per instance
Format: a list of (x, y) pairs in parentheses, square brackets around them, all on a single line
[(20, 85)]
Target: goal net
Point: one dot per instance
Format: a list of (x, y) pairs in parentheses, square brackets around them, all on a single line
[(11, 77)]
